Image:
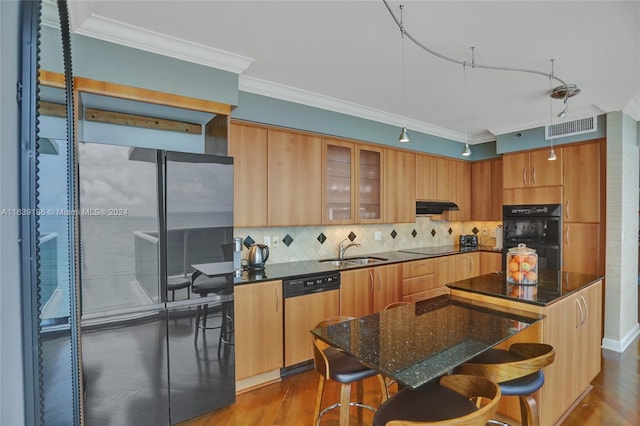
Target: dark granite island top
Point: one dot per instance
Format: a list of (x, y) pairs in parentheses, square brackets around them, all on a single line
[(552, 286), (416, 343)]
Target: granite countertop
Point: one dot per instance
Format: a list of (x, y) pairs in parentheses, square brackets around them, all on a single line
[(416, 343), (552, 286), (279, 271)]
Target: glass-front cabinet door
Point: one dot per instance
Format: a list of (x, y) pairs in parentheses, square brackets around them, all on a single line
[(339, 178), (369, 160)]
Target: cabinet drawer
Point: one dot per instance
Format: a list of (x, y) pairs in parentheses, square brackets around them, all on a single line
[(427, 294), (418, 268), (418, 284)]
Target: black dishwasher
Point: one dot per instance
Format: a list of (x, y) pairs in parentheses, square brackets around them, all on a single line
[(307, 301)]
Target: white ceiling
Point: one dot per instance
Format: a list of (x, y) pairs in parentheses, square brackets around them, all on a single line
[(346, 55)]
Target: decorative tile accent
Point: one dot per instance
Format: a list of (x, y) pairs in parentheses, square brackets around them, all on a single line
[(287, 240), (352, 236), (433, 232), (450, 231), (248, 242), (394, 234), (322, 238), (475, 230), (414, 233)]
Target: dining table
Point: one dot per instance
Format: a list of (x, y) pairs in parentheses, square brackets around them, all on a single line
[(416, 343)]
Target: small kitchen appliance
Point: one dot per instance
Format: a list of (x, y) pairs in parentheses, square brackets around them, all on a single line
[(258, 255), (468, 241)]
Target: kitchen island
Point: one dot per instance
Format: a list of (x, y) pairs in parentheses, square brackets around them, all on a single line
[(572, 307)]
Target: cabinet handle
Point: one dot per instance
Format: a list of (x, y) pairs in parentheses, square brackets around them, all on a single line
[(566, 209), (379, 280), (566, 234), (534, 175), (371, 279), (586, 309), (524, 175), (470, 265), (581, 313)]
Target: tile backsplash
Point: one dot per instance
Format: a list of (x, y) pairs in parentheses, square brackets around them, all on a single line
[(321, 242)]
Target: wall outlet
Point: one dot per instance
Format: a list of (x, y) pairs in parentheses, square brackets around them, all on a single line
[(275, 241), (484, 232), (378, 236), (493, 232), (267, 241)]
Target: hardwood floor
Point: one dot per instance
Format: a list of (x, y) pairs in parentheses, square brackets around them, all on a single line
[(614, 400)]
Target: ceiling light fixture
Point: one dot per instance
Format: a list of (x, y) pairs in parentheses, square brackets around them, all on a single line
[(552, 154), (563, 113), (466, 152), (564, 91), (404, 135)]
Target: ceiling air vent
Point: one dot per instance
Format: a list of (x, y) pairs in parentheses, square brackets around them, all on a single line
[(570, 128)]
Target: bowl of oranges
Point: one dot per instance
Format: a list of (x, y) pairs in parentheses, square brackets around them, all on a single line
[(522, 265)]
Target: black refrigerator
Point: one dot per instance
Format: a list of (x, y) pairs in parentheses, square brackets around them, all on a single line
[(146, 217)]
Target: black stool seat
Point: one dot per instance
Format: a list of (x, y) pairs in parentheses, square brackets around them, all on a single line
[(345, 368), (178, 283), (428, 403)]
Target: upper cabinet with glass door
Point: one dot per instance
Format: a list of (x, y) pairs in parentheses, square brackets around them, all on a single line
[(338, 185), (370, 178)]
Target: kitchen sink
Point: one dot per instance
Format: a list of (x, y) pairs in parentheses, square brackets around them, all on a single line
[(352, 261)]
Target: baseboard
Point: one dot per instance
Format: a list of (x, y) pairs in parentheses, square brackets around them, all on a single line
[(622, 345), (258, 381)]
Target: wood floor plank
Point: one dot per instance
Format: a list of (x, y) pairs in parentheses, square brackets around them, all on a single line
[(614, 400)]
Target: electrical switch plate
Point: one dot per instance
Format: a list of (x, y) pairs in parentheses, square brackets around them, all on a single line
[(378, 236), (267, 241), (275, 241), (493, 232)]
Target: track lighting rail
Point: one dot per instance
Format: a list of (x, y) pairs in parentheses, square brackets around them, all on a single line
[(568, 93)]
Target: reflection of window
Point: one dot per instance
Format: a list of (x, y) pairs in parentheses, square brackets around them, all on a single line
[(53, 224)]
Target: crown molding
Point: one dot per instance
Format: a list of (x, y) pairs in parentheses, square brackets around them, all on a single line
[(49, 16), (85, 22), (312, 99)]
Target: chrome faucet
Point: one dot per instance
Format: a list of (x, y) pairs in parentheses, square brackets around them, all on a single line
[(342, 248)]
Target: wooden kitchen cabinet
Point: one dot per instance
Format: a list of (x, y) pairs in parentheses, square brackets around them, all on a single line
[(581, 248), (467, 265), (572, 326), (582, 165), (399, 186), (418, 280), (248, 147), (445, 271), (426, 176), (486, 190), (460, 190), (294, 179), (339, 170), (531, 169), (370, 177), (258, 328), (490, 262), (367, 290)]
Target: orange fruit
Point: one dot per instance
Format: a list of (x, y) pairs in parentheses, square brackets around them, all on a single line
[(531, 276), (520, 258), (517, 276), (513, 266), (532, 260)]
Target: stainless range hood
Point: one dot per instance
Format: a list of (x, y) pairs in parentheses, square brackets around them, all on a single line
[(426, 208)]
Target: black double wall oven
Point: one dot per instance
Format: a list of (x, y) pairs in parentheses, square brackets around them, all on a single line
[(539, 226)]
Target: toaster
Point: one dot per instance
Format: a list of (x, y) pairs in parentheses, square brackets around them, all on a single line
[(468, 241)]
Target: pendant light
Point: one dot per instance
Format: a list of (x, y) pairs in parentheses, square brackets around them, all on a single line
[(552, 154), (404, 135), (466, 152)]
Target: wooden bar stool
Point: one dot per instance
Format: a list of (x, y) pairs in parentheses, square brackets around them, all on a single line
[(518, 371), (455, 400), (334, 364)]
